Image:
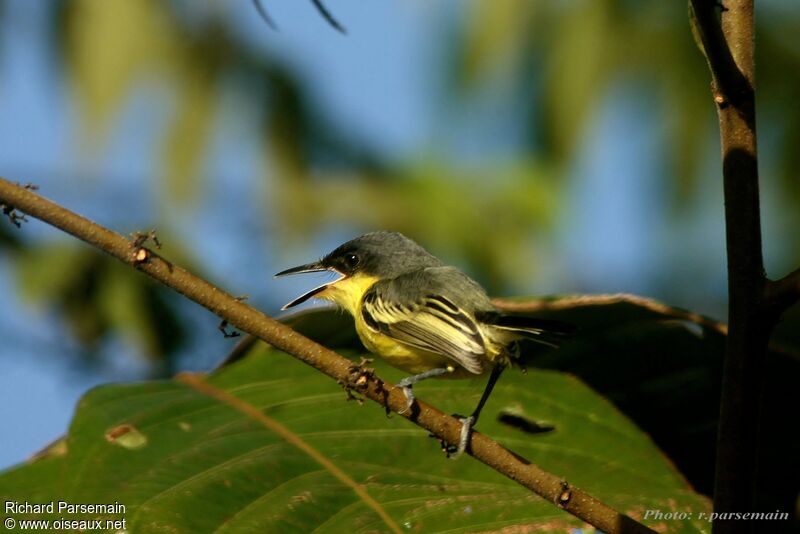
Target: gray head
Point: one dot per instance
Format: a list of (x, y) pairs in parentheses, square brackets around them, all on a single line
[(379, 254)]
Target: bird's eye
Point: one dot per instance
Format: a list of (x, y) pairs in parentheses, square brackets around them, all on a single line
[(351, 261)]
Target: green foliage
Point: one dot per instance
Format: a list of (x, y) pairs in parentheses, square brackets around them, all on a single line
[(567, 55), (97, 295), (187, 449)]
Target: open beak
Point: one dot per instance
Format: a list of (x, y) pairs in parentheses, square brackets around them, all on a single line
[(315, 267)]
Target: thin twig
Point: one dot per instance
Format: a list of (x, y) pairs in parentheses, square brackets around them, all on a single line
[(549, 486), (262, 11), (784, 293), (327, 15)]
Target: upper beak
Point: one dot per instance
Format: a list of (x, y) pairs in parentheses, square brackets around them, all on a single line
[(307, 268)]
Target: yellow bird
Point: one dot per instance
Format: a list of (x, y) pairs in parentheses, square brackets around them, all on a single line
[(423, 317)]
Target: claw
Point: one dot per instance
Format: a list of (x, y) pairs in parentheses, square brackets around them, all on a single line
[(409, 397), (409, 381), (466, 430)]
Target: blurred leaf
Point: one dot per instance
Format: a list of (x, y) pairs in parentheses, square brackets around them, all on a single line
[(497, 33), (577, 71), (778, 74), (191, 449), (96, 295), (206, 57), (65, 278), (140, 310), (188, 137), (563, 56), (111, 46), (8, 239), (580, 49), (452, 209), (108, 45), (287, 126)]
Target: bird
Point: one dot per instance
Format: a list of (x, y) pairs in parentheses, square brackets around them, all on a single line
[(422, 316)]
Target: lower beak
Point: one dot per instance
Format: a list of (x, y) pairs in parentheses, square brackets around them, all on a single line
[(315, 267)]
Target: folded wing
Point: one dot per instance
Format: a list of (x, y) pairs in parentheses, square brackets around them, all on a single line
[(430, 322)]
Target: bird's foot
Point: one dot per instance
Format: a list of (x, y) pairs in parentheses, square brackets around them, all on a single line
[(408, 382), (409, 393), (466, 430), (467, 423)]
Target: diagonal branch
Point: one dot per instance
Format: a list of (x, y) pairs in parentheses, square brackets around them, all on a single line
[(547, 485)]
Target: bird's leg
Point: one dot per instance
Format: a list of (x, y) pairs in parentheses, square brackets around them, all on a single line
[(408, 382), (467, 423)]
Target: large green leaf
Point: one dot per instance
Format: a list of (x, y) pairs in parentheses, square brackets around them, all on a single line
[(181, 461), (660, 366)]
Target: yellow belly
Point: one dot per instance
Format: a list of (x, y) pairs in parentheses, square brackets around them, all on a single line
[(405, 358)]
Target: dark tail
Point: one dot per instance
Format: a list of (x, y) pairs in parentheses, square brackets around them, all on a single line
[(545, 331)]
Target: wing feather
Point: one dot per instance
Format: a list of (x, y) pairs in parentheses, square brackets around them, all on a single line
[(432, 323), (544, 331)]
